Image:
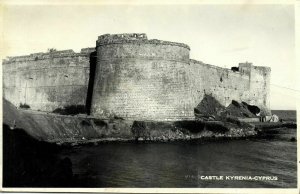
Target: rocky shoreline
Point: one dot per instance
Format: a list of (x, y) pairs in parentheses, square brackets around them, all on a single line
[(173, 133), (83, 129), (179, 136)]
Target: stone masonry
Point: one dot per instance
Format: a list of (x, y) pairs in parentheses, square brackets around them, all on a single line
[(135, 78)]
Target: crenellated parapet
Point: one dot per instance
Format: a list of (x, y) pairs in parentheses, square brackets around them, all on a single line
[(133, 38), (87, 50), (114, 38), (48, 55)]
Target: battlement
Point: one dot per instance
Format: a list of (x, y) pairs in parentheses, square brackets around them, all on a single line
[(133, 38), (111, 38), (233, 69), (49, 54), (88, 50), (248, 67)]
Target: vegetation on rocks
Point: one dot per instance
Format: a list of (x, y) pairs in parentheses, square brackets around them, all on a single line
[(71, 110), (24, 106)]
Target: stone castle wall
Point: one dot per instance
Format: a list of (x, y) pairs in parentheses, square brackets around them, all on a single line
[(135, 78), (141, 79), (46, 81), (250, 84), (223, 84)]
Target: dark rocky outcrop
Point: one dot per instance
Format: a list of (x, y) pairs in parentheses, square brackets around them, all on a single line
[(209, 109), (236, 109), (29, 162)]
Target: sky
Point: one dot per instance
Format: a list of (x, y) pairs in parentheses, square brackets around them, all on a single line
[(221, 35)]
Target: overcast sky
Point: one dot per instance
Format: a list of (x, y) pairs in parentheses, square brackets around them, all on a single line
[(221, 35)]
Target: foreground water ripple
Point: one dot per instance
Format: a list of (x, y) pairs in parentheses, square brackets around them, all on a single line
[(181, 164)]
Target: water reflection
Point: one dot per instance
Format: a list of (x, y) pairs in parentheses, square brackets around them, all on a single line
[(28, 163), (173, 164)]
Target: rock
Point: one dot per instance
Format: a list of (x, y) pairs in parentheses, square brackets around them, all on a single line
[(74, 144), (208, 108), (274, 118), (164, 138), (140, 139)]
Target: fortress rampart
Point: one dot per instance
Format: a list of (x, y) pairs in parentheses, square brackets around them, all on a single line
[(249, 84), (46, 81), (136, 78), (131, 77)]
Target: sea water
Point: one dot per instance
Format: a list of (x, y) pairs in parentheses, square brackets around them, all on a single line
[(253, 163)]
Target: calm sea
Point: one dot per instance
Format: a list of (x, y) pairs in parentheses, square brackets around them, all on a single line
[(182, 164)]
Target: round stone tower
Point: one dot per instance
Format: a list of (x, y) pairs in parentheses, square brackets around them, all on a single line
[(141, 79)]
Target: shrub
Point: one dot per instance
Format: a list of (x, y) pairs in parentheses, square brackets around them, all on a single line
[(71, 110), (216, 127), (25, 106), (139, 129), (192, 126), (85, 123)]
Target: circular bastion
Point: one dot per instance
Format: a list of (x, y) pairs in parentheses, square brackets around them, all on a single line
[(137, 78)]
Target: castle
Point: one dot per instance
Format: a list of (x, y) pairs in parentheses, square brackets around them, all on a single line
[(132, 77)]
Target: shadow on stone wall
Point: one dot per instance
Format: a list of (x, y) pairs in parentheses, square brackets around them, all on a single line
[(93, 63)]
